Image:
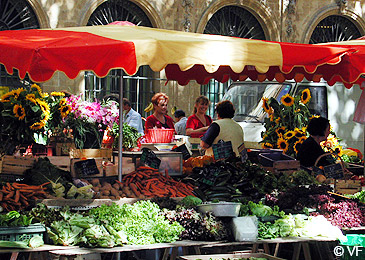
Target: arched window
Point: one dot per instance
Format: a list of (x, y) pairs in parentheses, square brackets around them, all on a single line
[(137, 88), (15, 15), (230, 21), (334, 28)]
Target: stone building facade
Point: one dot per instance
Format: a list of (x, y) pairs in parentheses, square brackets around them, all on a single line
[(279, 20)]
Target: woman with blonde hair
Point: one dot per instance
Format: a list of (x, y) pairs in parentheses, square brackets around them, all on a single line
[(199, 122), (159, 118)]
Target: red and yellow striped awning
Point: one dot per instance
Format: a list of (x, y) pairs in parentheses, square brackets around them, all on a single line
[(184, 56)]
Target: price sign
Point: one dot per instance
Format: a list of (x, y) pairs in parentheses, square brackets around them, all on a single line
[(86, 168), (334, 171), (186, 153), (150, 159), (222, 150), (243, 152)]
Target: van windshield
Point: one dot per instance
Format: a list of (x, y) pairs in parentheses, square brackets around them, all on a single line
[(247, 98)]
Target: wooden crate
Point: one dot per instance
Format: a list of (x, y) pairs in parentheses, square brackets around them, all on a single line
[(62, 162), (16, 165), (347, 186), (278, 163), (91, 153)]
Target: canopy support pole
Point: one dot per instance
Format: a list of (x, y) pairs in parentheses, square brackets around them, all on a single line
[(120, 141)]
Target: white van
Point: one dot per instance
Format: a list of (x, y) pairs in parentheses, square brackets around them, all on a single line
[(333, 102)]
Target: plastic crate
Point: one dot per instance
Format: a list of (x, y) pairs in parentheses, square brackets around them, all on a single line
[(20, 233), (353, 247), (159, 135)]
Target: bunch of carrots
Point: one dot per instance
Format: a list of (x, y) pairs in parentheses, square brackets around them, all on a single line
[(147, 182), (17, 196)]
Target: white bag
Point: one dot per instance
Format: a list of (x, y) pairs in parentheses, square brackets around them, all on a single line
[(245, 228)]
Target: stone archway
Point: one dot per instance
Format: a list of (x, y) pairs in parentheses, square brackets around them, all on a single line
[(326, 12), (145, 5), (257, 9)]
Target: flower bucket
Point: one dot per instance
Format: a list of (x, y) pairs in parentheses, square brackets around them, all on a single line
[(159, 135)]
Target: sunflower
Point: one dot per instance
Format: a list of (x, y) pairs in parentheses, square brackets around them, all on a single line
[(289, 134), (287, 100), (57, 94), (297, 146), (299, 133), (37, 125), (277, 120), (19, 112), (266, 145), (64, 110), (302, 139), (31, 98), (280, 131), (44, 106), (36, 88), (283, 144), (265, 104), (338, 150), (271, 117), (6, 97), (306, 96)]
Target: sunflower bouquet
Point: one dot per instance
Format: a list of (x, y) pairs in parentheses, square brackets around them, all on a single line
[(286, 122), (27, 116)]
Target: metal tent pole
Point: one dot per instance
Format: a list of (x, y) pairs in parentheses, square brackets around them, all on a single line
[(120, 142)]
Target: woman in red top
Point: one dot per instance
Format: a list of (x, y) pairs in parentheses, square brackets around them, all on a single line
[(159, 118), (199, 122)]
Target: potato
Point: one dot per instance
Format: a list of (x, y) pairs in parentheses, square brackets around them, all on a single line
[(114, 192), (105, 192), (116, 186), (96, 188), (95, 182)]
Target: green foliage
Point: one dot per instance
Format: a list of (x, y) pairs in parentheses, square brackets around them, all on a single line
[(130, 136), (190, 201)]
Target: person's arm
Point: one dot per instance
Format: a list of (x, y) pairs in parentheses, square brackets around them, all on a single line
[(190, 131), (209, 137)]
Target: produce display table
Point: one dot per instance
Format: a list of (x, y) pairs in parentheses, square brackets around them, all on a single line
[(34, 253), (74, 252), (299, 243)]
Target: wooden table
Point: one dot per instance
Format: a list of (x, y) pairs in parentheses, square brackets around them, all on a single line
[(299, 243), (74, 252), (171, 249), (34, 253)]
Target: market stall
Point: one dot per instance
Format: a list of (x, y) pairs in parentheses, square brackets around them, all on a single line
[(184, 56)]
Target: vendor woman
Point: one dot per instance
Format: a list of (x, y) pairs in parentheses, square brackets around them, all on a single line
[(225, 128), (310, 150), (199, 122), (159, 118)]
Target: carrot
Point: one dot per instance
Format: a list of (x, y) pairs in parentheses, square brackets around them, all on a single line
[(167, 173), (134, 189), (17, 196), (146, 168), (139, 185), (1, 196), (9, 186), (10, 195)]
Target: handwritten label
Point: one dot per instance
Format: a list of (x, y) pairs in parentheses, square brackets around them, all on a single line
[(334, 171), (86, 168)]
